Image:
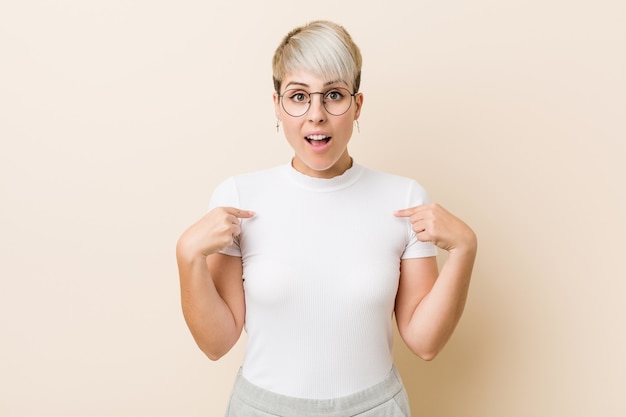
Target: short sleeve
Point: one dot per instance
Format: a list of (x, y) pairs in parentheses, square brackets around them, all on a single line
[(415, 249), (227, 195)]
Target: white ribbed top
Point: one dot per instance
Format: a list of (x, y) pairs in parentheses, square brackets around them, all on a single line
[(321, 266)]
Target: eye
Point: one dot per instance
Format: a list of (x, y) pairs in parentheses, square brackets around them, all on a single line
[(334, 95), (298, 97)]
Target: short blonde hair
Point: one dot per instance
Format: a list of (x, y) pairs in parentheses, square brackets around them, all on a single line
[(322, 47)]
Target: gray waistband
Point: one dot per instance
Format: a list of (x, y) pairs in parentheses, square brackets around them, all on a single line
[(353, 404)]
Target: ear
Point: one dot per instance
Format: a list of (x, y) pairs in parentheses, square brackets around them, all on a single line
[(358, 100), (276, 105)]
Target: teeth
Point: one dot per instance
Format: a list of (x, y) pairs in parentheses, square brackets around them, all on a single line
[(317, 137)]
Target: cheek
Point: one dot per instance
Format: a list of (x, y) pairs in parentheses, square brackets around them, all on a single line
[(346, 125), (291, 129), (289, 125)]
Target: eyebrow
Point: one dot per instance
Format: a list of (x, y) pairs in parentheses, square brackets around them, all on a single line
[(298, 83)]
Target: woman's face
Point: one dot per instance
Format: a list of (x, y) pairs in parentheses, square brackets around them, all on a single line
[(318, 138)]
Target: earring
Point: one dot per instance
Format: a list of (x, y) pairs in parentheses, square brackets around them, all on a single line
[(358, 128), (277, 125)]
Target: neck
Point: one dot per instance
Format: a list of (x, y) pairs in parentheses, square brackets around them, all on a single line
[(341, 166)]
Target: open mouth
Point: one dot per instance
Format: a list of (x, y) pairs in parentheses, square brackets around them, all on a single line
[(317, 140)]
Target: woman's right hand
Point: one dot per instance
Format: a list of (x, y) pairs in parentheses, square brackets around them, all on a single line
[(213, 232)]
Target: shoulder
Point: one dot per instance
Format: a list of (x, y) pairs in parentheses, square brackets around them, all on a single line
[(408, 189), (388, 179), (229, 191)]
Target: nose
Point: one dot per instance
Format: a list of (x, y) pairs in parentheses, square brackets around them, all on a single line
[(317, 112)]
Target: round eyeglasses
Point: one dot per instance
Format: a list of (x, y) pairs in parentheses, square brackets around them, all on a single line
[(296, 102)]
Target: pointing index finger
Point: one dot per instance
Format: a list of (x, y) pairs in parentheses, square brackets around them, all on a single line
[(242, 214), (407, 212)]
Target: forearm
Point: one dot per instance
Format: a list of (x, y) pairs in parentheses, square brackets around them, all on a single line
[(207, 315), (438, 313)]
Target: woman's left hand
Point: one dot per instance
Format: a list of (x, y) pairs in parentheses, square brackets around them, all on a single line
[(433, 223)]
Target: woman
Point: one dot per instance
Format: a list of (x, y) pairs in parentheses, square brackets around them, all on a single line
[(325, 251)]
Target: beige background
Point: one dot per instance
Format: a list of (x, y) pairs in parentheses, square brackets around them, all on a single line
[(117, 119)]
